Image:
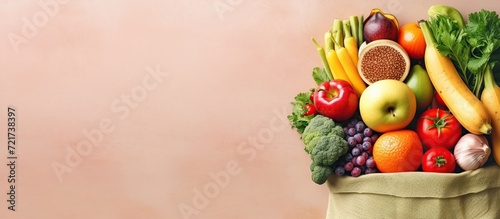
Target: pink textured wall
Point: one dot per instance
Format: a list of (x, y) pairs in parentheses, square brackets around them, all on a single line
[(137, 109)]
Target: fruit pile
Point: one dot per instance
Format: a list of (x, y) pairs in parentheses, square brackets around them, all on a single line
[(418, 97)]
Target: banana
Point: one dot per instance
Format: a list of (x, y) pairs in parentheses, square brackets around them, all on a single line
[(463, 104), (447, 11), (495, 144), (491, 100)]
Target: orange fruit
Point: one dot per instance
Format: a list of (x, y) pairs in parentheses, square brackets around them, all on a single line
[(398, 151)]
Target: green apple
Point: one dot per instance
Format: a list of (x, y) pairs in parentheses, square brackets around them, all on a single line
[(387, 105), (419, 82)]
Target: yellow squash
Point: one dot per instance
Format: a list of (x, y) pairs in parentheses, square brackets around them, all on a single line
[(463, 104), (338, 71), (351, 70), (350, 42), (491, 100)]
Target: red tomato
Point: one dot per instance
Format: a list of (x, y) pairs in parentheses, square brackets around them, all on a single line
[(411, 38), (438, 160), (310, 110), (438, 128)]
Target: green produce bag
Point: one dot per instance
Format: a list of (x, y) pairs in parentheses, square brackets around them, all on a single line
[(470, 194)]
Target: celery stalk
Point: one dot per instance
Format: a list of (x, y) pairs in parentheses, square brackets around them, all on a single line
[(360, 30), (354, 21)]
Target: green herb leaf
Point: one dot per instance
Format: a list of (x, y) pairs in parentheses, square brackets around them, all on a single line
[(483, 37), (320, 75), (451, 43), (471, 48), (297, 118)]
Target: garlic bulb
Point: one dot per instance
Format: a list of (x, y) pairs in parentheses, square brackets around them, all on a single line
[(472, 151)]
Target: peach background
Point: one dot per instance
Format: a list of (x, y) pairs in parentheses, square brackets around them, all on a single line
[(219, 105)]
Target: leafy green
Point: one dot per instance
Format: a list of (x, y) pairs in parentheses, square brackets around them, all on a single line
[(472, 48), (483, 36), (320, 75), (451, 43), (297, 118)]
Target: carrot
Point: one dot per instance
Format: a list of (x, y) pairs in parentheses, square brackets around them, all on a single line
[(335, 66), (350, 42), (351, 70)]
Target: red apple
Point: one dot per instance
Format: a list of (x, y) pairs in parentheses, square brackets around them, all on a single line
[(336, 99)]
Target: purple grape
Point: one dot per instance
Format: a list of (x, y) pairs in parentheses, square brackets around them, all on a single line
[(370, 163), (351, 131), (351, 141), (356, 171), (360, 126), (360, 160), (367, 139), (353, 161), (368, 132), (348, 166), (348, 157), (355, 152), (359, 137), (367, 146), (339, 171), (365, 154), (360, 147)]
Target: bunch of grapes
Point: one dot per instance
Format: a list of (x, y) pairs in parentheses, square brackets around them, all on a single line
[(359, 159)]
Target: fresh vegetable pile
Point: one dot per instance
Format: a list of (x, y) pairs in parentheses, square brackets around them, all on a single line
[(423, 96)]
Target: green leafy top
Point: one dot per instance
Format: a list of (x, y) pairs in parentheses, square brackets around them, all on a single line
[(472, 48), (483, 36), (297, 118), (450, 41), (320, 75)]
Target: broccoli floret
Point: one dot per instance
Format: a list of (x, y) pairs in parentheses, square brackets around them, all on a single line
[(320, 126), (320, 173), (328, 150), (338, 131), (325, 144)]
